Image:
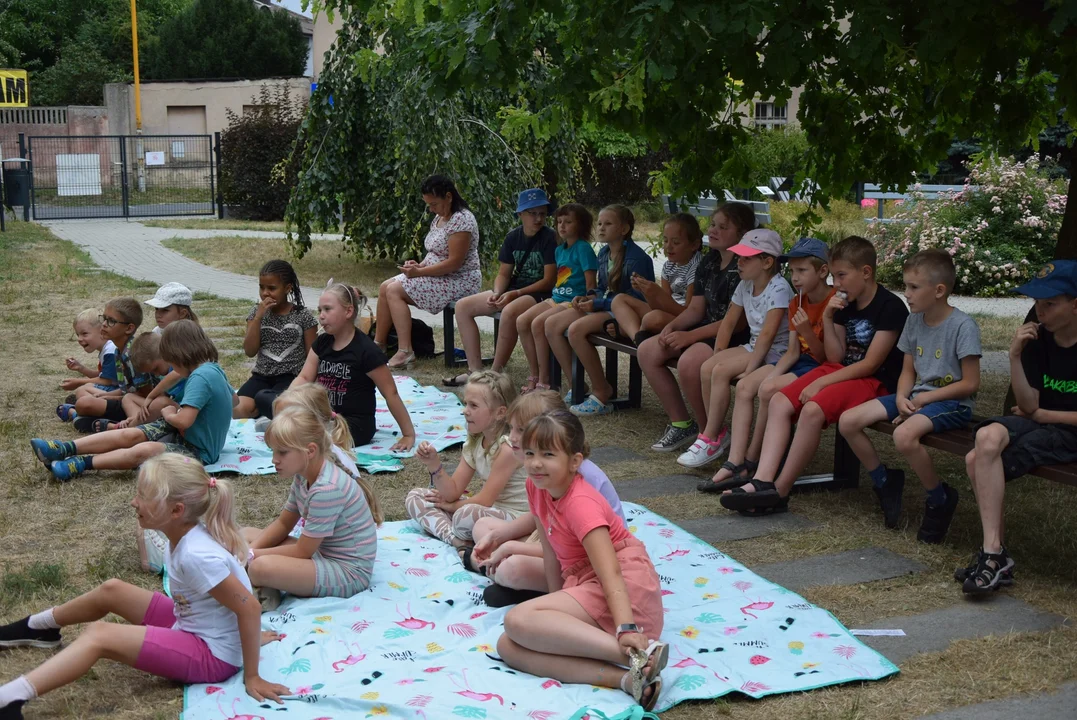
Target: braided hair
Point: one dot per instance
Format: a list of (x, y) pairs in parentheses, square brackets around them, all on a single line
[(284, 270)]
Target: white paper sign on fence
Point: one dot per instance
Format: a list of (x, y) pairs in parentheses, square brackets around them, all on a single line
[(155, 158)]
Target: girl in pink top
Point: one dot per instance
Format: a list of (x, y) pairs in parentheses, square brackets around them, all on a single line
[(604, 611)]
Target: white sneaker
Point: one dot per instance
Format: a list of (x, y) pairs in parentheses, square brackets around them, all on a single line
[(262, 424), (703, 452)]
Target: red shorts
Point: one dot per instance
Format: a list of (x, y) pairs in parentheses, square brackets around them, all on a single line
[(175, 654), (835, 399)]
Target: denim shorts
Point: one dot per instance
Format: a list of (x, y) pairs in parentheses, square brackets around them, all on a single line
[(804, 365), (944, 415)]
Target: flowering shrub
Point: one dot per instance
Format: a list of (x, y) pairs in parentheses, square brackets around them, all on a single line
[(999, 229)]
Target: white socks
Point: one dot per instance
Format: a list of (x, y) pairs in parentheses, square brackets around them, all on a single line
[(44, 621), (18, 689)]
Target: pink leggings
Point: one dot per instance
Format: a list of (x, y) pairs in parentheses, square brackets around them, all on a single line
[(176, 654)]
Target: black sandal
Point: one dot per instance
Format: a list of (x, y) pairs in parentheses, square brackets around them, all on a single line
[(454, 381), (465, 558), (962, 573), (738, 479), (612, 328), (764, 501), (989, 572)]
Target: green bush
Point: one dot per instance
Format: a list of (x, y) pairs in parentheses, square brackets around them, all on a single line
[(258, 169), (836, 223), (776, 152), (999, 229)]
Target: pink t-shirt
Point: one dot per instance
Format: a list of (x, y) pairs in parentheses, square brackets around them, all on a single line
[(568, 519)]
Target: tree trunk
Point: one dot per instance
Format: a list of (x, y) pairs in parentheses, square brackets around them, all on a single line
[(1067, 234)]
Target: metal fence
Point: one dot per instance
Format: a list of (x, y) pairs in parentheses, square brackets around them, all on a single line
[(110, 176)]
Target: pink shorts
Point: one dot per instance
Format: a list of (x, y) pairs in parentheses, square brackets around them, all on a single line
[(176, 654), (641, 582)]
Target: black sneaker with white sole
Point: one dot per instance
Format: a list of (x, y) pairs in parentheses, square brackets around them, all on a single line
[(890, 497), (676, 438), (20, 634), (937, 519), (12, 711)]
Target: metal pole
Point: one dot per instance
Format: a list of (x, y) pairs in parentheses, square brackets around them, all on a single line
[(218, 196), (30, 166), (139, 155)]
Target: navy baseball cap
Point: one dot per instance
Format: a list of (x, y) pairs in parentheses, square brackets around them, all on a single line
[(808, 247), (1058, 277), (531, 199)]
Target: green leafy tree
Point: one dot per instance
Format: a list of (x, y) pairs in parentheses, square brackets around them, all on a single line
[(226, 39), (887, 85), (378, 125)]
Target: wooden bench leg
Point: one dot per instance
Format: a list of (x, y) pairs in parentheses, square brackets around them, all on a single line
[(846, 464), (555, 371), (579, 381), (635, 383), (448, 329), (611, 369)]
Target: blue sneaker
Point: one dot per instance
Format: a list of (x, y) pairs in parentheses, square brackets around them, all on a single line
[(592, 406), (48, 450), (69, 469)]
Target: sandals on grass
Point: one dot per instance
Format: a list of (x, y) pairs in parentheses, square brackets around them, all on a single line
[(455, 381), (730, 483), (764, 501), (991, 570)]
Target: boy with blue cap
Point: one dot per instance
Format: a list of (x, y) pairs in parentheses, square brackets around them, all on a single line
[(526, 276), (1043, 428), (808, 261)]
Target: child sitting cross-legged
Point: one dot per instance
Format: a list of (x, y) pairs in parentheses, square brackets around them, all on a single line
[(87, 328), (762, 298), (604, 611), (444, 510), (197, 428), (935, 392), (1043, 428), (509, 551), (334, 555), (211, 629), (146, 359), (808, 269), (861, 325)]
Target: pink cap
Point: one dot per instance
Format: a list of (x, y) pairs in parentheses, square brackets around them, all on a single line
[(758, 241)]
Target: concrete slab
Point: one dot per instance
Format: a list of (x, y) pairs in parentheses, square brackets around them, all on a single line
[(717, 528), (607, 455), (637, 488), (1042, 706), (934, 631), (847, 568)]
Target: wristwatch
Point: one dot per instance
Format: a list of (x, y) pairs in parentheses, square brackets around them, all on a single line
[(628, 628)]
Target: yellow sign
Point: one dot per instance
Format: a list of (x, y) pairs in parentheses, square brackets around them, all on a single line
[(14, 89)]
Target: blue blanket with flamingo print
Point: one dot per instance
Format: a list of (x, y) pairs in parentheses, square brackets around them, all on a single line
[(420, 643)]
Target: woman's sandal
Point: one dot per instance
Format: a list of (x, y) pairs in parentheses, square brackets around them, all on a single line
[(730, 483), (991, 569), (455, 381), (404, 363), (764, 501)]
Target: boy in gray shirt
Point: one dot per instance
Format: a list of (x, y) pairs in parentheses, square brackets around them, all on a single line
[(936, 392)]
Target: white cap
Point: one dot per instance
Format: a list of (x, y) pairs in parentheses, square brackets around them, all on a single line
[(171, 294)]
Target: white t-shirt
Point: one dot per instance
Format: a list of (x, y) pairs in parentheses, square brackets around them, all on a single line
[(513, 497), (195, 566), (347, 460), (777, 294)]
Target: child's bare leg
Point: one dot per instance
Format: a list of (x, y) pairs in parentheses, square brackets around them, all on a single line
[(688, 369), (776, 437), (527, 339), (84, 391), (655, 320), (112, 641), (730, 363), (292, 575), (852, 425), (907, 441), (91, 406), (629, 312), (244, 407), (467, 309), (588, 353), (743, 408), (989, 482), (522, 572), (508, 333), (110, 440), (127, 458), (805, 442), (554, 331), (542, 345), (770, 387)]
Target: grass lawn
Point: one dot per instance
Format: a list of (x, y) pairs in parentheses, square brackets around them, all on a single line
[(216, 224), (58, 540)]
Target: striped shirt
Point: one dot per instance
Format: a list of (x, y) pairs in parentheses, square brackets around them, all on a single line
[(681, 277), (334, 508)]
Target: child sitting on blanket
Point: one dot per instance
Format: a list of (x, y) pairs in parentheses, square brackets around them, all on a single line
[(212, 627), (87, 328), (443, 510), (198, 428), (509, 552), (351, 368), (604, 610), (334, 555)]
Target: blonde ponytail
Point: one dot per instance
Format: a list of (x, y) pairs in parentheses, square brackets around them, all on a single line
[(296, 427), (172, 477)]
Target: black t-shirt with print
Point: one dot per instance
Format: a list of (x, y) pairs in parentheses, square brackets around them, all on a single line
[(538, 249), (885, 313), (344, 374), (716, 284), (1052, 370)]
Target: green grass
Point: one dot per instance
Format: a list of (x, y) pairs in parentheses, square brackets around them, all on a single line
[(114, 196), (216, 224), (59, 540)]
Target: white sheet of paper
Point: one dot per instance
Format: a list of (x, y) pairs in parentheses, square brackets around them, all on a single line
[(878, 633)]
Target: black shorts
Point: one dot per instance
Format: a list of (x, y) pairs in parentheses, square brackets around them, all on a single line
[(257, 383), (114, 410), (1033, 444), (362, 428)]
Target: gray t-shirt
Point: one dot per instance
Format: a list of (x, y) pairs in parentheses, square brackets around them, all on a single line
[(938, 351)]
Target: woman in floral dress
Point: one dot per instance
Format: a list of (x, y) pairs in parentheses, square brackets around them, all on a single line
[(449, 271)]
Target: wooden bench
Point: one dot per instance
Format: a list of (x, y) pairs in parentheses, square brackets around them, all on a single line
[(706, 205), (874, 191), (448, 329)]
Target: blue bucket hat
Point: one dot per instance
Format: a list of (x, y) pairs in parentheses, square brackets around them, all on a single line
[(1058, 277), (531, 199), (808, 247)]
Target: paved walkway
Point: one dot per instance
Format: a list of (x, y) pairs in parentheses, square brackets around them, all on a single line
[(135, 250)]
